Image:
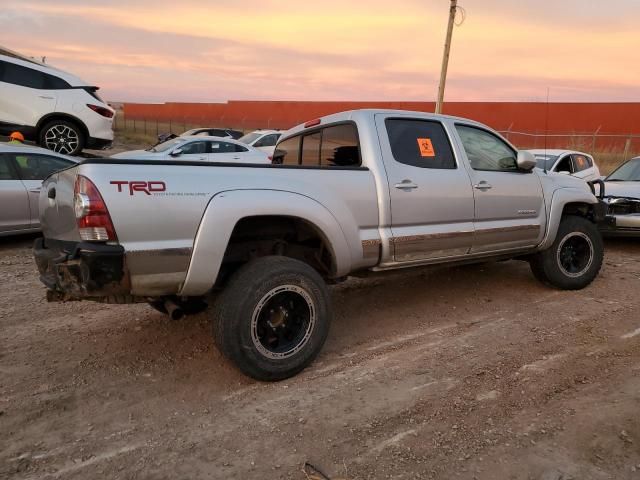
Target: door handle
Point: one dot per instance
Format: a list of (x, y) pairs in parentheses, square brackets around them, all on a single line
[(46, 97), (406, 185), (236, 158), (34, 190), (482, 186)]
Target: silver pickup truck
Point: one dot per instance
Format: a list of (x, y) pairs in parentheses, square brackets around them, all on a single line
[(351, 193)]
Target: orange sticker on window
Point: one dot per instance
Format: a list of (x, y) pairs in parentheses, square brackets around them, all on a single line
[(426, 147)]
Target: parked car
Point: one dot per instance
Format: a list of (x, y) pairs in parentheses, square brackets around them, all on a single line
[(211, 132), (574, 163), (264, 140), (357, 193), (622, 194), (22, 170), (56, 109), (199, 149)]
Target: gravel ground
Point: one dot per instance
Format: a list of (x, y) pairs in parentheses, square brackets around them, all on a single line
[(477, 372)]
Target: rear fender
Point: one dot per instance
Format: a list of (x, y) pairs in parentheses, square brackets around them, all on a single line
[(560, 199), (226, 209)]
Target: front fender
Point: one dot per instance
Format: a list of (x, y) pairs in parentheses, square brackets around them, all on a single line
[(559, 200), (226, 209)]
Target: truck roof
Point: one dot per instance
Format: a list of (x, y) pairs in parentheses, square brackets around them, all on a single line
[(369, 113)]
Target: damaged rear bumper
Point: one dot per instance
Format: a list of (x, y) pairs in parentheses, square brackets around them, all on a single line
[(81, 270)]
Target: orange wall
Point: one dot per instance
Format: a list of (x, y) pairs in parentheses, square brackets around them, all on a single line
[(611, 118)]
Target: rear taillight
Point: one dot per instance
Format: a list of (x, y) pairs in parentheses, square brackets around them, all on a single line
[(92, 216), (105, 112)]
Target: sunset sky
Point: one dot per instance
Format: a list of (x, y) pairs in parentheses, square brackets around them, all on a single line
[(188, 50)]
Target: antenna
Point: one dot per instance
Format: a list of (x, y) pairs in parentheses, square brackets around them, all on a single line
[(546, 130)]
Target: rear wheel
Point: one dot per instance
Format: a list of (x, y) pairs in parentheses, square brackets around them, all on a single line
[(575, 257), (62, 136), (272, 318)]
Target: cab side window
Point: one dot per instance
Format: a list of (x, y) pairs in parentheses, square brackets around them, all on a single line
[(565, 165), (340, 146), (38, 167), (581, 162), (6, 169), (331, 146), (194, 147), (420, 143), (288, 152), (486, 151)]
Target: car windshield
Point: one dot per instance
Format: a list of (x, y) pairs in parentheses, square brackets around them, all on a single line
[(249, 138), (545, 161), (163, 147), (628, 172)]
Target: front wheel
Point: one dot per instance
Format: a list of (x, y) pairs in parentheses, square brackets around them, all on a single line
[(575, 257), (272, 318), (62, 136)]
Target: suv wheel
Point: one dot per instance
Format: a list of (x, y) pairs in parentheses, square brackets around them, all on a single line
[(575, 257), (272, 318), (62, 136)]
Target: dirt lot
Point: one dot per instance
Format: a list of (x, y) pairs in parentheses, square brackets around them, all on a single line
[(477, 372)]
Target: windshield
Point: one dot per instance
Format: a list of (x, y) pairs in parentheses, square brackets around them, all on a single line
[(249, 138), (190, 132), (628, 172), (545, 161), (163, 147)]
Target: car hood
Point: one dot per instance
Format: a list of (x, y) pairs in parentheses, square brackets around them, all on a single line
[(622, 189), (137, 155), (561, 180)]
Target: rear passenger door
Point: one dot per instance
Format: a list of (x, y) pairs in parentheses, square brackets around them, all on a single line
[(14, 202), (33, 168), (430, 191), (509, 204)]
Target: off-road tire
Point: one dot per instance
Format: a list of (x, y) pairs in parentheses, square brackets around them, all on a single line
[(553, 266), (73, 136), (240, 311)]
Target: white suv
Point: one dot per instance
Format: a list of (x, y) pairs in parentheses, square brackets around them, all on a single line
[(57, 110), (264, 140)]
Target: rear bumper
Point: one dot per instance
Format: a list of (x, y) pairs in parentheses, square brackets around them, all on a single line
[(75, 270)]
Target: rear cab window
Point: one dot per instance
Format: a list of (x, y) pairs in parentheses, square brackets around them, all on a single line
[(331, 146), (420, 143)]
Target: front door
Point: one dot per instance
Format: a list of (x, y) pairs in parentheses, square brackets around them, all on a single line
[(14, 203), (430, 191), (509, 203)]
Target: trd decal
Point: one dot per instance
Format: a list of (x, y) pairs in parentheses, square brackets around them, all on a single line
[(145, 187)]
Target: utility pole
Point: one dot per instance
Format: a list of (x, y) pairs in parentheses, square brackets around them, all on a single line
[(445, 56)]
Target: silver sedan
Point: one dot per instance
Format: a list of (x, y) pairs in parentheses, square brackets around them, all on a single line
[(622, 193), (22, 169)]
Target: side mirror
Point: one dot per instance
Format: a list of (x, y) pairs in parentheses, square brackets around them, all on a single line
[(176, 153), (526, 161)]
